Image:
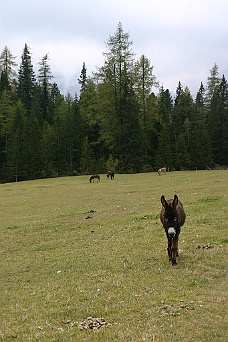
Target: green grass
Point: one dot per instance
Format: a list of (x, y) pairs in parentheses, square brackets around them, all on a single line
[(70, 249)]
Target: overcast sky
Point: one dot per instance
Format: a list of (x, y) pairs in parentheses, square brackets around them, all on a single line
[(183, 39)]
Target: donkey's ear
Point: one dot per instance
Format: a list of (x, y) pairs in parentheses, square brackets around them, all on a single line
[(175, 201), (163, 201)]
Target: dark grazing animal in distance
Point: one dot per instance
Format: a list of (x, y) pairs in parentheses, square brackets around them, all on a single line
[(110, 174), (172, 217), (97, 177)]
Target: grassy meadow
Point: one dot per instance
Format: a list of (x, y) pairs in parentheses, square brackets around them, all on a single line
[(70, 249)]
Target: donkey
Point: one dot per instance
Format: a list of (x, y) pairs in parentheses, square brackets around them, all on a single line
[(162, 171), (97, 177), (172, 217), (110, 174)]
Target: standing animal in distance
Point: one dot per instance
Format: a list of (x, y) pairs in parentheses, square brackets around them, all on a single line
[(110, 174), (172, 217), (97, 177), (162, 171)]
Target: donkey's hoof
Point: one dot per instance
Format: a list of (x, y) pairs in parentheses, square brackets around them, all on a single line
[(174, 265)]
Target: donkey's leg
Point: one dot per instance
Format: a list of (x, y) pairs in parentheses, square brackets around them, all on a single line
[(177, 246), (174, 251), (169, 249)]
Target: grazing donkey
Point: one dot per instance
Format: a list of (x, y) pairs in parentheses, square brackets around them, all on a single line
[(172, 217), (110, 174), (97, 177), (162, 171)]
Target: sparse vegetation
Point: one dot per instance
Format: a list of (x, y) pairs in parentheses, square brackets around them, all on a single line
[(72, 250)]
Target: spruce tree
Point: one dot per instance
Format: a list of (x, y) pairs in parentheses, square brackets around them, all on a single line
[(83, 76), (219, 108), (44, 78), (117, 100), (26, 80), (144, 80), (200, 144), (164, 153)]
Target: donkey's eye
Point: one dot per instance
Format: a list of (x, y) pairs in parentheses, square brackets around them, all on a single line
[(166, 220), (175, 218)]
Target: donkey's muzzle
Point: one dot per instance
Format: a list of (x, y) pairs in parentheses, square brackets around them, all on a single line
[(171, 232)]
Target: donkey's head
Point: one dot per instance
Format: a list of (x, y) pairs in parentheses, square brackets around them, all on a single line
[(169, 216)]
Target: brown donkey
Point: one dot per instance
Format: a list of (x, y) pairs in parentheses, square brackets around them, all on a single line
[(172, 217)]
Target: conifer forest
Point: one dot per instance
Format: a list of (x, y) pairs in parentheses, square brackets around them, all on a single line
[(116, 122)]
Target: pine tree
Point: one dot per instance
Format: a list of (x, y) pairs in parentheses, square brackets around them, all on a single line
[(179, 92), (164, 153), (60, 144), (165, 105), (219, 108), (77, 134), (182, 114), (44, 78), (89, 114), (213, 82), (26, 80), (7, 65), (83, 76), (200, 145), (181, 121), (144, 80), (117, 101), (74, 133)]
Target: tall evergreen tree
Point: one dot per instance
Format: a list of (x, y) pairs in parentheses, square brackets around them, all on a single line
[(200, 145), (26, 80), (83, 76), (60, 149), (74, 133), (182, 117), (44, 77), (88, 107), (7, 65), (77, 134), (165, 105), (213, 82), (164, 153), (116, 95), (219, 118), (144, 80), (179, 92)]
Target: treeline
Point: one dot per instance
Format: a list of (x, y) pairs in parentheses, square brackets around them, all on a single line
[(116, 122)]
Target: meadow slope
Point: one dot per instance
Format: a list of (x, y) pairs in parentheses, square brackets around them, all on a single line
[(70, 249)]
